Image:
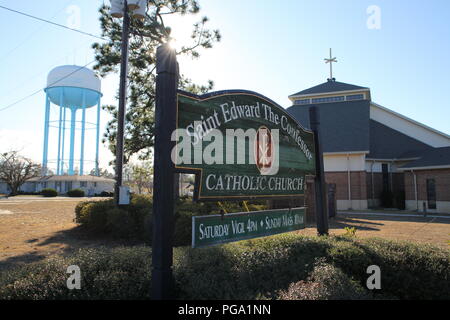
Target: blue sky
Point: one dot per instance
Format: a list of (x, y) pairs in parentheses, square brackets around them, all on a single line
[(272, 47)]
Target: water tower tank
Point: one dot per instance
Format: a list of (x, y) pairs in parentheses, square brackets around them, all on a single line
[(74, 81), (70, 88)]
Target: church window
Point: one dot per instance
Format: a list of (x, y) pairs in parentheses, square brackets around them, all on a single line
[(431, 193), (303, 101), (385, 172), (355, 97), (328, 99)]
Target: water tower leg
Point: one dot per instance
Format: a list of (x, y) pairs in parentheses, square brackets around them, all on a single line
[(72, 139), (83, 127), (58, 160), (61, 107), (46, 128), (97, 140), (63, 140)]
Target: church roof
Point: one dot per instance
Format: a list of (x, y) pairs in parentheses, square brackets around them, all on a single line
[(387, 143), (434, 158), (347, 127), (344, 126), (330, 86)]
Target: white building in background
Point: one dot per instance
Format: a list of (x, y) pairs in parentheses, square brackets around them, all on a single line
[(91, 185)]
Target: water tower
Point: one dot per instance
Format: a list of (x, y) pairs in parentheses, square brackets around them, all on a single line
[(71, 89)]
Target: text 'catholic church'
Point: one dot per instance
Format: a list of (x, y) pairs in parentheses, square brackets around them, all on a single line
[(374, 156)]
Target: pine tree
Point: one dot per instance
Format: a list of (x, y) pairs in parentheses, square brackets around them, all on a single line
[(145, 37)]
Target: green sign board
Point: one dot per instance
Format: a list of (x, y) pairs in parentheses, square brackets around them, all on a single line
[(241, 145), (217, 229)]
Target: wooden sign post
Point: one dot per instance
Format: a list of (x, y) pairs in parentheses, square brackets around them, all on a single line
[(319, 180), (165, 122)]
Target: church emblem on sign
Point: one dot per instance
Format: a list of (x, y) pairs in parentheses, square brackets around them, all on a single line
[(266, 151)]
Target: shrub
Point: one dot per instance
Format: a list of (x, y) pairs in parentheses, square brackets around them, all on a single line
[(104, 194), (245, 270), (326, 282), (120, 273), (408, 271), (93, 215), (278, 267), (75, 193), (126, 222), (26, 193), (268, 267), (49, 192), (350, 232), (134, 221)]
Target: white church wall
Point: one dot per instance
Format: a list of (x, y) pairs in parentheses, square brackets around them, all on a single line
[(411, 205), (441, 206), (376, 166), (408, 126), (340, 163), (351, 204)]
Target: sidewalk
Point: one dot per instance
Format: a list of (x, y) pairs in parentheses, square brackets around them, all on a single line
[(394, 213)]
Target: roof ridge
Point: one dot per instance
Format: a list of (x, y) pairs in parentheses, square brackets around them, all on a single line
[(330, 86)]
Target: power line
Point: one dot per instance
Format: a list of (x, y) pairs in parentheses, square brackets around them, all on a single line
[(32, 34), (55, 62), (51, 84), (51, 22)]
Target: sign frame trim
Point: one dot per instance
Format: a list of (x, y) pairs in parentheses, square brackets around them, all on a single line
[(198, 172)]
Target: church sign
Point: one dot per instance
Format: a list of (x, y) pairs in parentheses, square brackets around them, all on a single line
[(218, 229), (241, 145)]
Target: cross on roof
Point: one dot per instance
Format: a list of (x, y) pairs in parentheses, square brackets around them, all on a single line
[(330, 61)]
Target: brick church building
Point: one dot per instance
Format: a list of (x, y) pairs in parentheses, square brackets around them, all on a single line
[(373, 156)]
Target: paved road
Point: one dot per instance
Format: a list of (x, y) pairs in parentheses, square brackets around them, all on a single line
[(380, 214)]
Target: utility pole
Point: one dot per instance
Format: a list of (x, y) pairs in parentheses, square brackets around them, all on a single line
[(122, 101), (163, 172), (319, 180)]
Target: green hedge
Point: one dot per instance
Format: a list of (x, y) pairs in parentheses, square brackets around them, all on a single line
[(75, 193), (122, 273), (133, 221), (49, 192), (326, 281), (280, 267), (409, 271)]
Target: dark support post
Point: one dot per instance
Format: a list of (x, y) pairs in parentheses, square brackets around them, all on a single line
[(163, 192), (122, 102), (319, 180)]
